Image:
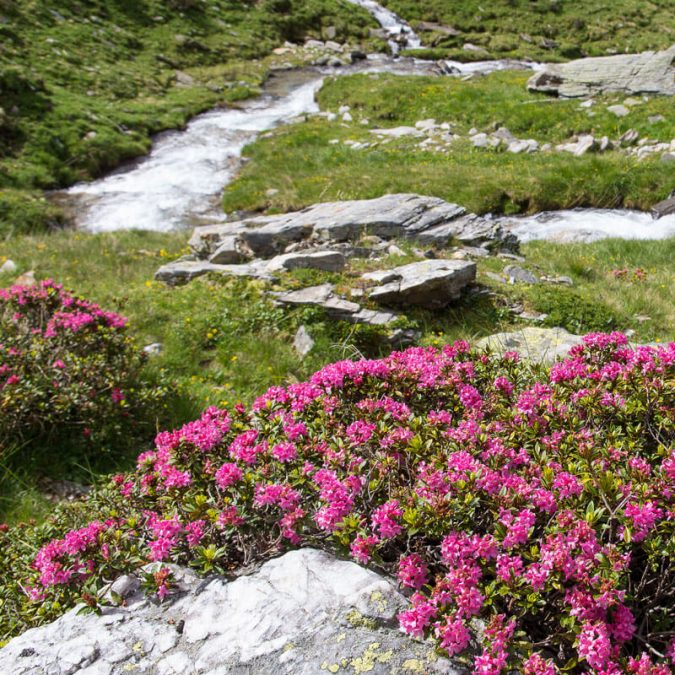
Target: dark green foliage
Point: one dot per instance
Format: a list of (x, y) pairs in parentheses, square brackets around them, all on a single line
[(544, 30)]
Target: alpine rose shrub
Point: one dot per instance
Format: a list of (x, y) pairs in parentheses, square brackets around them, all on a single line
[(67, 369), (528, 512)]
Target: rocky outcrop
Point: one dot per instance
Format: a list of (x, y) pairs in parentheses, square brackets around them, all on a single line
[(543, 345), (303, 613), (310, 233), (646, 73), (322, 235)]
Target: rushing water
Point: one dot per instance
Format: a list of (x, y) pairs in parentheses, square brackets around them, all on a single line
[(590, 225), (400, 33), (179, 183)]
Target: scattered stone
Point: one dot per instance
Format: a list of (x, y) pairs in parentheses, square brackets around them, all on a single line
[(398, 132), (431, 284), (561, 280), (402, 337), (392, 249), (532, 316), (506, 255), (618, 110), (328, 261), (8, 267), (312, 295), (654, 119), (62, 490), (303, 342), (271, 192), (300, 614), (27, 279), (470, 47), (664, 208), (518, 146), (543, 345), (153, 349), (668, 157), (183, 79), (518, 274), (648, 72), (495, 277), (580, 147)]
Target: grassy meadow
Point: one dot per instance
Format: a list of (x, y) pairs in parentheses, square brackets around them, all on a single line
[(301, 163)]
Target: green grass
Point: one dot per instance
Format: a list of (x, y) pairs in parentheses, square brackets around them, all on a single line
[(84, 85), (304, 167), (543, 29)]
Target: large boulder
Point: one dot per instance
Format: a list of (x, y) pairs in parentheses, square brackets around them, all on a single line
[(645, 73), (303, 613)]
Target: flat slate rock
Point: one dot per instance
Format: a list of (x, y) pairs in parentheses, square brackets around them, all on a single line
[(182, 271), (431, 284), (302, 614), (645, 73), (336, 306)]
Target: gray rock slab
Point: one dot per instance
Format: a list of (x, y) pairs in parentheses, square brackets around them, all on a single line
[(329, 261), (274, 236), (182, 271), (398, 132), (228, 252), (300, 614), (514, 274), (312, 295), (645, 73), (431, 284), (664, 208), (469, 230)]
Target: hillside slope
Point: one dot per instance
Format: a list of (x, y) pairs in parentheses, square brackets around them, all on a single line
[(83, 84)]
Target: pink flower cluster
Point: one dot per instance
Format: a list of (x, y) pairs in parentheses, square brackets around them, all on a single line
[(494, 492)]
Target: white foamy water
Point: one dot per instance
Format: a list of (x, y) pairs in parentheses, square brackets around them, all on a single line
[(179, 182), (393, 24), (585, 225), (486, 67)]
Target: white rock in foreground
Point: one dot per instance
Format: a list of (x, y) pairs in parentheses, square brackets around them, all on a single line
[(303, 613)]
